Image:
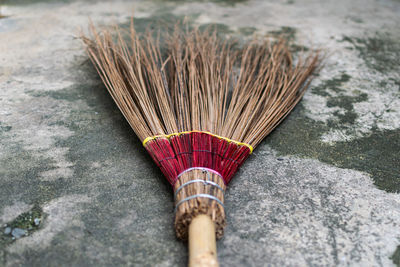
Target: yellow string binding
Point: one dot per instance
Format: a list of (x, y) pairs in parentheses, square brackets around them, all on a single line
[(188, 132)]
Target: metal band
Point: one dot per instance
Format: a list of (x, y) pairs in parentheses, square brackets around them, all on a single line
[(205, 182), (199, 195), (204, 169)]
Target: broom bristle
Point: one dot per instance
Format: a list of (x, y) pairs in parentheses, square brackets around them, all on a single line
[(199, 102)]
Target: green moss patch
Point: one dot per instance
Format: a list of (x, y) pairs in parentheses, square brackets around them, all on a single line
[(27, 220), (24, 225)]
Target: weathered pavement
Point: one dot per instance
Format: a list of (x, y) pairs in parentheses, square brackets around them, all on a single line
[(77, 188)]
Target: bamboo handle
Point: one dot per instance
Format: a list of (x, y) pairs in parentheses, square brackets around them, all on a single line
[(202, 242)]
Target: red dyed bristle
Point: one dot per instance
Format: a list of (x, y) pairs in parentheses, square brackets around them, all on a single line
[(181, 152)]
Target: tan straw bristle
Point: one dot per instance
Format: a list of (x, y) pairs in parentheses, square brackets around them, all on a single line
[(201, 83)]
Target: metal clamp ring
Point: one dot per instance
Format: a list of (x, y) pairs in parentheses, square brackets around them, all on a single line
[(199, 195), (203, 169), (205, 182)]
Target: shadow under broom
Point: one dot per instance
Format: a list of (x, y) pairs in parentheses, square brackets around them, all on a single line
[(200, 105)]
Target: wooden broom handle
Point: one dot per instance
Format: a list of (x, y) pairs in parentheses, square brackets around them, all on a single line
[(202, 242)]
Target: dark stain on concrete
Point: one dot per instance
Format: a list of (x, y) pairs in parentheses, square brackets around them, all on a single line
[(221, 2), (161, 19), (380, 52), (345, 102), (27, 2), (376, 154), (396, 257), (356, 19), (333, 91), (165, 21), (22, 170), (288, 33), (247, 31), (220, 28), (4, 128), (333, 84), (296, 48)]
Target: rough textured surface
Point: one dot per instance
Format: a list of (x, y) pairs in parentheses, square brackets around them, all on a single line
[(321, 190)]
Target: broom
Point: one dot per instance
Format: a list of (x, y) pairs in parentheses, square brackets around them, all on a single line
[(200, 105)]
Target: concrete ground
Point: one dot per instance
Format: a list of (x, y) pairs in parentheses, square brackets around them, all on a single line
[(78, 189)]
